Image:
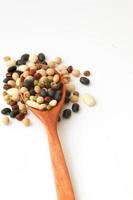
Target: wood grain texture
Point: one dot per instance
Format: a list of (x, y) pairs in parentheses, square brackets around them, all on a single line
[(62, 179)]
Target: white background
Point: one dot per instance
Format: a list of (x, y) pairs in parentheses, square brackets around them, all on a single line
[(97, 142)]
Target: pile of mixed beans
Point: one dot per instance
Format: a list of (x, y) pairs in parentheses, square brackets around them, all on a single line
[(33, 81)]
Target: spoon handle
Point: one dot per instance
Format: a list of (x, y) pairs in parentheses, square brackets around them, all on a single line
[(63, 183)]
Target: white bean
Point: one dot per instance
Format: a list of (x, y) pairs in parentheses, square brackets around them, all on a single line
[(32, 104), (70, 87), (53, 103), (89, 100), (22, 68), (33, 58), (10, 63), (12, 91), (5, 120)]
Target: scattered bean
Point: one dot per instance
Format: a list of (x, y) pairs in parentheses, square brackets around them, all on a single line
[(24, 57), (70, 87), (66, 113), (87, 73), (70, 69), (84, 80), (75, 107), (89, 100), (58, 60), (5, 120), (6, 58), (74, 98), (6, 111), (76, 73), (76, 93), (26, 121), (10, 63), (20, 116), (14, 113)]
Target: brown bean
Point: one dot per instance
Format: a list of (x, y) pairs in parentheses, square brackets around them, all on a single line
[(7, 86)]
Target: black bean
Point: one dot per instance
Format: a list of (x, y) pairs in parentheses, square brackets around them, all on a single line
[(7, 79), (57, 96), (12, 69), (51, 92), (43, 92), (6, 111), (20, 62), (32, 92), (84, 80), (29, 84), (75, 107), (44, 62), (14, 113), (67, 100), (25, 57), (41, 57), (66, 113), (68, 93), (57, 86)]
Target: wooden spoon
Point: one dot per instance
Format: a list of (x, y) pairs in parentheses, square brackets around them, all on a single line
[(62, 179)]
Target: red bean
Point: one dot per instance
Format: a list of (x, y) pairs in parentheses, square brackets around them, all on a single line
[(20, 116), (7, 86)]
